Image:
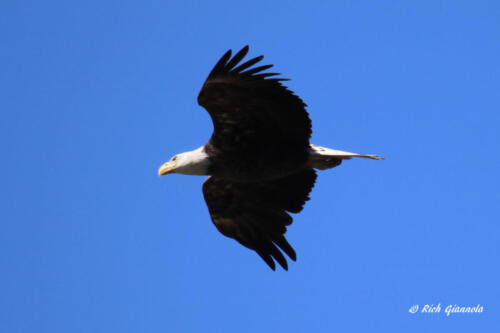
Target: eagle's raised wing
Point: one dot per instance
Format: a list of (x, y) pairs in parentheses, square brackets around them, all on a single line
[(249, 108), (255, 214)]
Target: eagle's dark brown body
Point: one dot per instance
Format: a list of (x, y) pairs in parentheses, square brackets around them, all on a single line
[(258, 155)]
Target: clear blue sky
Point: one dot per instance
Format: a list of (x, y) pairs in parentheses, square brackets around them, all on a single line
[(96, 95)]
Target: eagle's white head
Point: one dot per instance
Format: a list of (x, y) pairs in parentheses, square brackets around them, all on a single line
[(195, 162)]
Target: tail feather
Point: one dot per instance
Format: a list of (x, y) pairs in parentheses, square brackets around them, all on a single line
[(325, 158)]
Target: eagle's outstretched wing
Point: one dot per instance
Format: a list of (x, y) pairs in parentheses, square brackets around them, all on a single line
[(255, 214), (253, 114)]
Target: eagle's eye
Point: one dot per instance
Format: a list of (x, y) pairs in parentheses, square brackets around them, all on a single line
[(174, 158)]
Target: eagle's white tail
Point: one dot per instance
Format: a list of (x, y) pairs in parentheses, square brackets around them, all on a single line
[(325, 158)]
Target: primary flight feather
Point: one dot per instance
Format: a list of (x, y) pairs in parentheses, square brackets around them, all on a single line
[(260, 161)]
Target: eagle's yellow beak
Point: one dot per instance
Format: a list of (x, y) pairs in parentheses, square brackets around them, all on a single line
[(166, 168)]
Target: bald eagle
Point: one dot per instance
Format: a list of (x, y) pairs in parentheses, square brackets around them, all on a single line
[(259, 159)]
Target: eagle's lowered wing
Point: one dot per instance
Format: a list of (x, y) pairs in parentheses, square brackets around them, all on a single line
[(255, 214)]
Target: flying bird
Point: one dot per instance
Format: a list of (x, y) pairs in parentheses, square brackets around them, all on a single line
[(260, 163)]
